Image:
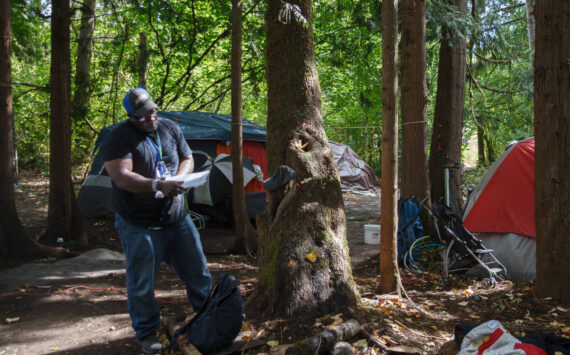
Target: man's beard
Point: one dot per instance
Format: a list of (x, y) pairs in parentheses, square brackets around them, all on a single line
[(149, 128)]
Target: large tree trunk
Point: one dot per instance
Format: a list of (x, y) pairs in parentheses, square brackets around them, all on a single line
[(81, 96), (389, 273), (446, 137), (414, 176), (64, 219), (14, 241), (552, 150), (304, 263), (245, 236)]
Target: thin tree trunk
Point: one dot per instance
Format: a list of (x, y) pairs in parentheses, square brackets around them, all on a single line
[(245, 235), (14, 240), (552, 149), (304, 263), (64, 219), (143, 60), (389, 273), (531, 29), (80, 105)]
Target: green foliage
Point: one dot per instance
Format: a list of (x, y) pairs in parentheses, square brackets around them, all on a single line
[(349, 62), (189, 47), (500, 91)]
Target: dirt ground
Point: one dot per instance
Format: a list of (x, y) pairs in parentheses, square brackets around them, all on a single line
[(78, 305)]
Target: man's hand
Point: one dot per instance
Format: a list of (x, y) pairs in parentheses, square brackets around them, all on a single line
[(170, 187)]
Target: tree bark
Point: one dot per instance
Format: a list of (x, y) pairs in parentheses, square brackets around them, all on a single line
[(304, 263), (80, 104), (389, 274), (64, 219), (446, 137), (552, 149), (245, 241), (14, 240), (414, 96)]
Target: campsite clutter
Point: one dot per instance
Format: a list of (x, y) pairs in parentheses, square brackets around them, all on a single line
[(209, 136), (492, 337), (86, 313)]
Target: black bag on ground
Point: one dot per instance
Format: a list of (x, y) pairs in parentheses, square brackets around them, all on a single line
[(220, 319)]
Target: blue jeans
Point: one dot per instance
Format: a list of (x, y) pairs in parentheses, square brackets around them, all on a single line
[(179, 246)]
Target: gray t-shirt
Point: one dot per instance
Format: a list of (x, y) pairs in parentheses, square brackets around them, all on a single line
[(127, 141)]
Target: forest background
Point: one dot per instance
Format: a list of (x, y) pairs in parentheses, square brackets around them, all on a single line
[(180, 51)]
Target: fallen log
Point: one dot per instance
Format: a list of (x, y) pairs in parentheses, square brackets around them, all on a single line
[(325, 340)]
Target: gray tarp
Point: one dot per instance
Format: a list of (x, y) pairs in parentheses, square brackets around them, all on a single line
[(355, 174)]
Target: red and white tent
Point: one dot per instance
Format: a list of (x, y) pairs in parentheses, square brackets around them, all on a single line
[(500, 210)]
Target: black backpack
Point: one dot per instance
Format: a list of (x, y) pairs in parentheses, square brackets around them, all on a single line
[(220, 319)]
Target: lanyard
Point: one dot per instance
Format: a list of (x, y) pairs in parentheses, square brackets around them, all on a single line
[(158, 149)]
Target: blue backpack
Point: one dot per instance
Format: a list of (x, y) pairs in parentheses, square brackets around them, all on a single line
[(410, 227), (220, 319)]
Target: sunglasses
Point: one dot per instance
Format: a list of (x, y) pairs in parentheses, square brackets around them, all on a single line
[(147, 117)]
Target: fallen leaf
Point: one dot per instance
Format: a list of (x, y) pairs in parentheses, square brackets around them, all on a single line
[(474, 316), (556, 324), (360, 343), (463, 304), (247, 326), (54, 348), (12, 320), (336, 322), (312, 257), (272, 343)]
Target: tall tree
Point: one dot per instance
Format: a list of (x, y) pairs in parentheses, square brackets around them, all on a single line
[(80, 103), (552, 150), (304, 263), (415, 178), (245, 241), (446, 139), (64, 219), (389, 273), (14, 240)]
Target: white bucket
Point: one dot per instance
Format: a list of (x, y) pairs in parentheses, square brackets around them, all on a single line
[(372, 233)]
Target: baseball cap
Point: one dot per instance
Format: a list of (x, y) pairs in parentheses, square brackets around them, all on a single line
[(138, 102)]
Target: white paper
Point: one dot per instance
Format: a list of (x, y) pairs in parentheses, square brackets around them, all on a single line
[(191, 180)]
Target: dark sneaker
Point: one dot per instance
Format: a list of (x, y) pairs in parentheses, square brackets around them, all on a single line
[(150, 344)]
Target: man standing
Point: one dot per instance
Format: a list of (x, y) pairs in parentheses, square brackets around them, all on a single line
[(149, 211)]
